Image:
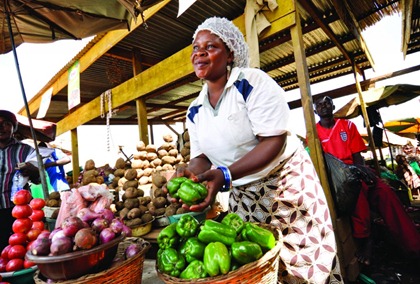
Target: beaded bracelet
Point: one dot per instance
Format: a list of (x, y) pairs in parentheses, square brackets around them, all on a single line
[(228, 179)]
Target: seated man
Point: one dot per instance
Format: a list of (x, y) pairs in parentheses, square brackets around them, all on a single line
[(340, 138)]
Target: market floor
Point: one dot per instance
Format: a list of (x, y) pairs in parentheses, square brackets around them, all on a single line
[(149, 273)]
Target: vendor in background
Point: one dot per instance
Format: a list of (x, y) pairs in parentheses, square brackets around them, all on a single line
[(340, 138), (406, 173), (12, 154), (240, 125), (54, 165)]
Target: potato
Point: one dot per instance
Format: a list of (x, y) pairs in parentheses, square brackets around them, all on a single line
[(162, 153), (130, 183), (131, 192), (168, 160), (151, 156), (159, 202), (131, 203), (173, 152), (134, 213), (89, 165), (120, 163), (158, 179), (186, 136), (137, 164), (134, 222), (144, 180), (140, 146), (54, 195), (160, 211), (119, 172), (168, 138), (123, 213), (145, 200), (146, 218), (151, 148)]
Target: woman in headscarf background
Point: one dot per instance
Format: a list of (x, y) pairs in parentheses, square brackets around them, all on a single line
[(241, 142)]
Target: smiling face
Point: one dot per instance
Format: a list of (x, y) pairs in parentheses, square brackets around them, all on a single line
[(210, 56)]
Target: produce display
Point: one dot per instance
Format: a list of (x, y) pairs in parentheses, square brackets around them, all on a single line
[(190, 250), (26, 228), (82, 232)]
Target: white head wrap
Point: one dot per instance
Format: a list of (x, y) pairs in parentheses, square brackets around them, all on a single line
[(230, 35)]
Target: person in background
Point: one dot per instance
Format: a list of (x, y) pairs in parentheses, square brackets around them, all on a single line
[(340, 138), (13, 154), (54, 165), (405, 172), (241, 142)]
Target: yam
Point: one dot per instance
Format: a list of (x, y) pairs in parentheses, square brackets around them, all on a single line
[(89, 165), (147, 172), (162, 153), (144, 180), (131, 203), (140, 146), (167, 146), (173, 152), (185, 151), (142, 155), (139, 173), (167, 167), (136, 164), (168, 138), (120, 163), (130, 174), (156, 162), (151, 148), (168, 160), (130, 183), (145, 164), (133, 213), (186, 136), (187, 145), (151, 156)]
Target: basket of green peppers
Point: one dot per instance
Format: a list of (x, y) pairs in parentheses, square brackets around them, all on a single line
[(229, 251)]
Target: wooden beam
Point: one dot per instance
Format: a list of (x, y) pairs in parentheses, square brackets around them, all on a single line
[(102, 46), (312, 10)]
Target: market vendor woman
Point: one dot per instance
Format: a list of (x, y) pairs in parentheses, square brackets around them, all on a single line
[(12, 153), (239, 124)]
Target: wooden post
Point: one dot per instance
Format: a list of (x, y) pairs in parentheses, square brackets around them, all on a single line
[(75, 155)]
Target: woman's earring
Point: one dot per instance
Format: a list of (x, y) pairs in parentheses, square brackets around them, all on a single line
[(228, 69)]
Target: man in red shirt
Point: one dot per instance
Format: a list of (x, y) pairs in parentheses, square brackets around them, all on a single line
[(340, 138)]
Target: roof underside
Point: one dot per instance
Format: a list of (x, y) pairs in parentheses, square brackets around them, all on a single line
[(166, 35)]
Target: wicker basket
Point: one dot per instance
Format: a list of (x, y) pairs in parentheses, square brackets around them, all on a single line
[(128, 271), (263, 270)]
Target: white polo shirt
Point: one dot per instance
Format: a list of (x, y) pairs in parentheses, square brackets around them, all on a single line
[(252, 104)]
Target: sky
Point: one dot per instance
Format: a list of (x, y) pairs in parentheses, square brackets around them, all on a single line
[(40, 62)]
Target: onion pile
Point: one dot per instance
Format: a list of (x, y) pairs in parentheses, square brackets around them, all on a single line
[(82, 232)]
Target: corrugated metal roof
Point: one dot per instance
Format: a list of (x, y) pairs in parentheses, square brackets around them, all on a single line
[(166, 35)]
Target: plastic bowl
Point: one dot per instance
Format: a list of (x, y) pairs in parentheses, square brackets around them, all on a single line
[(200, 216), (24, 276), (142, 229), (75, 264)]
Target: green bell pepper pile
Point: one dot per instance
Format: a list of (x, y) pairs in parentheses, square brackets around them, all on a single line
[(171, 262), (190, 251), (187, 226)]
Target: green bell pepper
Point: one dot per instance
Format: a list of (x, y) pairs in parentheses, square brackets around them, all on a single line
[(194, 270), (245, 252), (174, 184), (234, 221), (192, 192), (216, 259), (192, 249), (168, 237), (213, 231), (265, 238), (171, 262), (187, 226)]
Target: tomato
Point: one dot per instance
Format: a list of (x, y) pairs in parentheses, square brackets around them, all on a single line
[(14, 265), (33, 234), (18, 239), (37, 215), (38, 225), (21, 211), (28, 264), (16, 251), (37, 203), (3, 262), (22, 197), (28, 245), (5, 251), (22, 225)]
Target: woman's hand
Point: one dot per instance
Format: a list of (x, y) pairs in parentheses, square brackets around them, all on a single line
[(214, 182), (29, 170)]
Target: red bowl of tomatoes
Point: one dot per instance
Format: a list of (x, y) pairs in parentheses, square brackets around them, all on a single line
[(23, 276)]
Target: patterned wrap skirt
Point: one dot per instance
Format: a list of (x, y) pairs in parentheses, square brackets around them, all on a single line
[(292, 199)]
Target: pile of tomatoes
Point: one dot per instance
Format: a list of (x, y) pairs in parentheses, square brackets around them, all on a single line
[(26, 228)]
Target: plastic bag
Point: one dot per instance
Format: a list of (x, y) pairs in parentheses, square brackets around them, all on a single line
[(345, 184)]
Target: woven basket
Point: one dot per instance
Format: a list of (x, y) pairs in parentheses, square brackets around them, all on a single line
[(128, 271), (263, 270)]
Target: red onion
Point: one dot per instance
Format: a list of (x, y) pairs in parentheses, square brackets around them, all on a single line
[(126, 231), (132, 250), (71, 225), (99, 224), (87, 215), (106, 236), (85, 239), (107, 214), (57, 234), (116, 225), (61, 246)]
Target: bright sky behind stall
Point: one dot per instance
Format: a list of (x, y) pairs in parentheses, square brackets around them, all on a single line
[(40, 62)]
